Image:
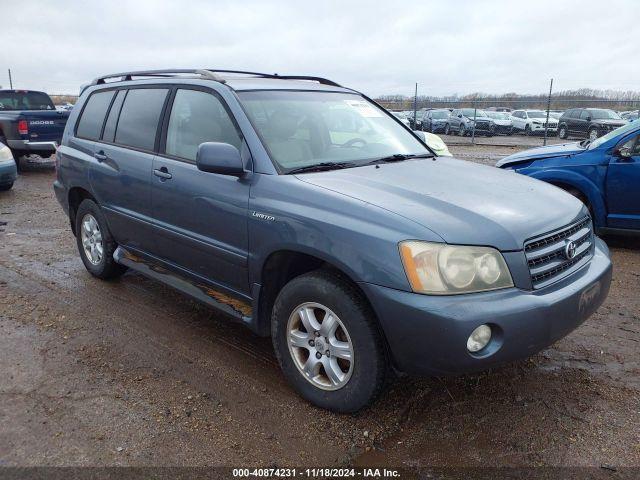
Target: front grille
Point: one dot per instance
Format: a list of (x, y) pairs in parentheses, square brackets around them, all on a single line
[(546, 254)]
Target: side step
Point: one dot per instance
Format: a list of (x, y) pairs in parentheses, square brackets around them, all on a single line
[(233, 307)]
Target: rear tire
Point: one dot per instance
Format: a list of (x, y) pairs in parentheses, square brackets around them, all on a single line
[(562, 132), (95, 243), (346, 385)]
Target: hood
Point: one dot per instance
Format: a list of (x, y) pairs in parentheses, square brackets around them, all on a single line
[(561, 150), (502, 122), (463, 202)]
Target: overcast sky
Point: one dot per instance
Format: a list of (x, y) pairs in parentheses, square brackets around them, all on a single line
[(448, 47)]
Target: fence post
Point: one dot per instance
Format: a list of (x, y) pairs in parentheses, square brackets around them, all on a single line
[(473, 130), (546, 125), (415, 109)]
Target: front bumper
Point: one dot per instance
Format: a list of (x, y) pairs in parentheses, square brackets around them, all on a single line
[(8, 173), (540, 128), (428, 335), (39, 148)]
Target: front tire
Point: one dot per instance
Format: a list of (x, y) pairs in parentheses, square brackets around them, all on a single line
[(527, 130), (328, 343), (6, 186), (593, 134), (447, 129), (95, 243)]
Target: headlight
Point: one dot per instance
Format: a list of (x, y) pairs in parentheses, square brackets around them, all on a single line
[(5, 154), (441, 269)]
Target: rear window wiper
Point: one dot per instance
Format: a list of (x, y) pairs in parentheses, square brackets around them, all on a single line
[(318, 167), (399, 157)]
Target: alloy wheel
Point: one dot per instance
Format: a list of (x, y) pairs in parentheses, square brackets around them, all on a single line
[(320, 346), (91, 239)]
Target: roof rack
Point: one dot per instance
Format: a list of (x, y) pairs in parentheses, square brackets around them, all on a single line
[(209, 73)]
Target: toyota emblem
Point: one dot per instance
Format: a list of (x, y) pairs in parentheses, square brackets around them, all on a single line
[(570, 250)]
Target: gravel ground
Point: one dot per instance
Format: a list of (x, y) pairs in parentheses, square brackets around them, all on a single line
[(132, 373)]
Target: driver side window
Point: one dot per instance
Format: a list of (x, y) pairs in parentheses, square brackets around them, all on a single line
[(633, 145)]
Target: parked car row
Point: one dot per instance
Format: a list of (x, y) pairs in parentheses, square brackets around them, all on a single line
[(576, 122)]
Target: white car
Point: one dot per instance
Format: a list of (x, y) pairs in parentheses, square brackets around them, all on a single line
[(533, 122)]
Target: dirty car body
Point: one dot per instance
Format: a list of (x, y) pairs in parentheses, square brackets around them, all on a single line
[(312, 188)]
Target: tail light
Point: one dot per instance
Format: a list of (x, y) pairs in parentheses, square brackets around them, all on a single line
[(23, 127)]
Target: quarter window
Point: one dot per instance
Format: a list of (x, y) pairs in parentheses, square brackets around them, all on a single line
[(198, 117), (138, 122), (92, 119)]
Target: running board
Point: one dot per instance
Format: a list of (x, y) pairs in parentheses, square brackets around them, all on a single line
[(233, 307)]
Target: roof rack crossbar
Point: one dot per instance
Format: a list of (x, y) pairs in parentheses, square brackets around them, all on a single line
[(209, 73)]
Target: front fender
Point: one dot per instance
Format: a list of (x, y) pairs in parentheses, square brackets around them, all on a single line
[(580, 182)]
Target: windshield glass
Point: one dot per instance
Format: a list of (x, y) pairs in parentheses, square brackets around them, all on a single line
[(438, 114), (498, 115), (602, 114), (302, 129), (469, 113), (23, 100), (537, 114), (613, 134)]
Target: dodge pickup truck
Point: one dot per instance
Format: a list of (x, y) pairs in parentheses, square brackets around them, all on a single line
[(30, 123)]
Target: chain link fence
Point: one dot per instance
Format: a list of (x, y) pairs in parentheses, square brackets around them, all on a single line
[(526, 120)]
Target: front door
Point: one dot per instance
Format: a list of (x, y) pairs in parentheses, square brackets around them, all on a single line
[(200, 218), (623, 187)]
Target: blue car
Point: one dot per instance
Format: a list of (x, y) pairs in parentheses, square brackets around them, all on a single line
[(604, 174)]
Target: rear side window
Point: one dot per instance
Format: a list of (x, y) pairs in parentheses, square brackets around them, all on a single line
[(198, 117), (138, 122), (112, 119), (92, 119)]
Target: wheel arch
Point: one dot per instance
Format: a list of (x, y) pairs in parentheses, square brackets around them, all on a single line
[(283, 265), (586, 187), (75, 197)]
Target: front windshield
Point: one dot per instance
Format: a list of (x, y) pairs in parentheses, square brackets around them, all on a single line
[(439, 114), (469, 113), (602, 114), (302, 129), (613, 134), (537, 114)]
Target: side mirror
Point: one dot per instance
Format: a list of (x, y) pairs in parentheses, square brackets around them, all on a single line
[(588, 119), (421, 135), (624, 152), (459, 115), (221, 158)]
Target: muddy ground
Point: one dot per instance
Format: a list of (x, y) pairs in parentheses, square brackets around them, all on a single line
[(132, 373)]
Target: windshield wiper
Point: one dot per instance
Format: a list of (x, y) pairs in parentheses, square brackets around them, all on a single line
[(318, 167), (399, 157)]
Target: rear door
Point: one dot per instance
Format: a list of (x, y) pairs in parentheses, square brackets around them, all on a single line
[(623, 187), (201, 218), (124, 160)]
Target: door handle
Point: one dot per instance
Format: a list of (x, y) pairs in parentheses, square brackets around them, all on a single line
[(162, 173), (100, 156)]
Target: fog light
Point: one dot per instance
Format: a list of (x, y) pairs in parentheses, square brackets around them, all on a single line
[(479, 338)]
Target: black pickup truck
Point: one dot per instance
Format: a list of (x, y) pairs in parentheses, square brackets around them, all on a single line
[(30, 123)]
